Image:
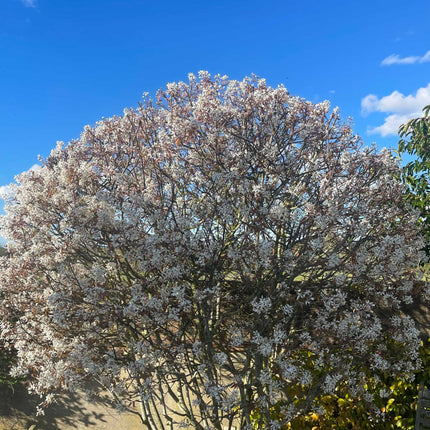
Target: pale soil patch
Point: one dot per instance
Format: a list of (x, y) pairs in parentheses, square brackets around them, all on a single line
[(72, 411)]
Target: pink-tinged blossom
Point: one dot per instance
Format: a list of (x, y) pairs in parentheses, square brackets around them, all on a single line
[(192, 251)]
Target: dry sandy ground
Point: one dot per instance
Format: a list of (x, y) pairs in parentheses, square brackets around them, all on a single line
[(18, 412)]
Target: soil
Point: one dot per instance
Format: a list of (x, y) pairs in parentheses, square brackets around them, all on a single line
[(71, 411)]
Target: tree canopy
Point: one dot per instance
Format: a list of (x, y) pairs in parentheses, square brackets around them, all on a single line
[(415, 142), (196, 251)]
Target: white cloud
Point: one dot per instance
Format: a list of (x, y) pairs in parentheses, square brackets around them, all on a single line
[(392, 123), (29, 3), (5, 191), (396, 102), (398, 107), (396, 59), (34, 167)]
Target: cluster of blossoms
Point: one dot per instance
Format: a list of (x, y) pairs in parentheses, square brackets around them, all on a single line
[(194, 251)]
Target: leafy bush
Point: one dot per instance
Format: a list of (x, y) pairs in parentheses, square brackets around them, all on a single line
[(415, 142), (393, 405)]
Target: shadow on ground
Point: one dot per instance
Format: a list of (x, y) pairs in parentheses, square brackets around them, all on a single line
[(71, 411)]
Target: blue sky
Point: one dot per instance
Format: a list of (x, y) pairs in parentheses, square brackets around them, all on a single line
[(67, 63)]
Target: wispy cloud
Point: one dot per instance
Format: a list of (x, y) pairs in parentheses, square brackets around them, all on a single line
[(29, 3), (398, 107), (396, 59)]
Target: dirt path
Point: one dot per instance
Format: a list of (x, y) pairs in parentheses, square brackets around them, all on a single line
[(18, 412)]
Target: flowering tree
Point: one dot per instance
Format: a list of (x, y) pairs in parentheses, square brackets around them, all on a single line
[(198, 252)]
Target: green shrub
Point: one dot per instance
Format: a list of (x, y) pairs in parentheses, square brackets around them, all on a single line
[(393, 407)]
